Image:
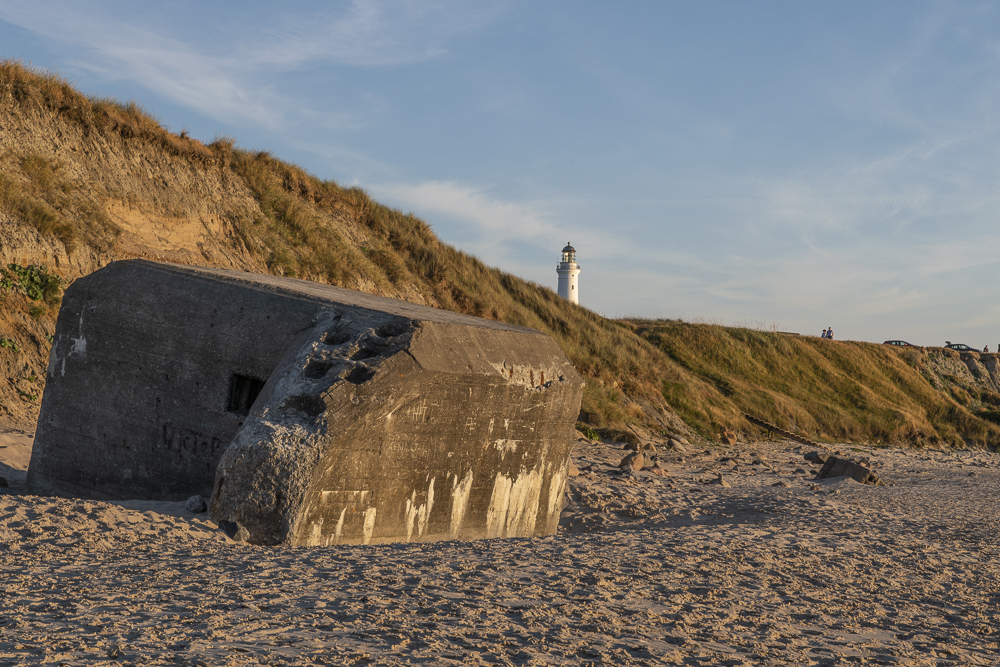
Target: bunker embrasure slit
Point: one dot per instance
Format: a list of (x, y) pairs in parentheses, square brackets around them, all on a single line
[(243, 391)]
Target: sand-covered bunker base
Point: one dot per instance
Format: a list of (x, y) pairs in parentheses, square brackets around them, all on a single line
[(676, 572)]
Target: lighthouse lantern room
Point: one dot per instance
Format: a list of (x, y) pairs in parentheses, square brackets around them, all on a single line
[(569, 272)]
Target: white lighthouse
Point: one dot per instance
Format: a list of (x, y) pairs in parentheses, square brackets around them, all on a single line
[(569, 271)]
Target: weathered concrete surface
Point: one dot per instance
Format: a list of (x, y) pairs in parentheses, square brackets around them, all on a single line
[(377, 420), (837, 467)]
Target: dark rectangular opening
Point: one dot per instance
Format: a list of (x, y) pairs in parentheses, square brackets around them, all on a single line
[(243, 391)]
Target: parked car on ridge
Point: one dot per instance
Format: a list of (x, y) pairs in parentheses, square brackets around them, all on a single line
[(899, 343), (961, 347)]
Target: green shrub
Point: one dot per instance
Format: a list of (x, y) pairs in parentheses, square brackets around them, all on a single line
[(33, 281)]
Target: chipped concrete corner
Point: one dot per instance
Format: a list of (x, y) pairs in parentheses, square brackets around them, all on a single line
[(314, 415)]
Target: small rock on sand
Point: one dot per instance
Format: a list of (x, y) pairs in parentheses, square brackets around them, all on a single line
[(633, 461), (677, 446), (815, 457), (721, 481), (196, 505)]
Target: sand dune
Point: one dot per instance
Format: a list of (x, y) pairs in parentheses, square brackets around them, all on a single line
[(647, 569)]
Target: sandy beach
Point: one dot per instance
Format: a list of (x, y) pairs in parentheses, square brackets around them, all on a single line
[(767, 568)]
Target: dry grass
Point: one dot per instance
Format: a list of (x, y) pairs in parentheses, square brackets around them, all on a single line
[(832, 390), (34, 190), (31, 87)]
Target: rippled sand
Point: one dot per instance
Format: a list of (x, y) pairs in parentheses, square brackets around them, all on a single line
[(646, 569)]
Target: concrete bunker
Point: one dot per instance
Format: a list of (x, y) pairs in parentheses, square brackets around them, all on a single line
[(310, 414)]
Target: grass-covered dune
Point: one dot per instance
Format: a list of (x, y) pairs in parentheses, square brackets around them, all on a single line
[(831, 390), (86, 180)]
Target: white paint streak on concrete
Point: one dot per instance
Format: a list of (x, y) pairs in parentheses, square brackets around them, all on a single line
[(459, 500), (514, 505), (522, 511), (496, 515), (79, 347), (411, 514), (79, 344), (417, 516), (505, 447), (317, 530), (53, 358), (350, 497), (369, 527), (340, 526), (425, 511), (557, 482)]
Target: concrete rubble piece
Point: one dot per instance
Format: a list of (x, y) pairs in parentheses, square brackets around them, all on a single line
[(310, 414), (837, 467)]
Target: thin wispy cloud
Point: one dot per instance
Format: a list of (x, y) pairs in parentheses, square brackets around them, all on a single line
[(485, 215), (371, 33), (524, 238), (236, 79), (119, 50)]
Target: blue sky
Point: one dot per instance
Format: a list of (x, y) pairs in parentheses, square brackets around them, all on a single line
[(777, 164)]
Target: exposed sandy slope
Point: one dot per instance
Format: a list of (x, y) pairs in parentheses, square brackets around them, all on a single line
[(15, 452), (680, 572)]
